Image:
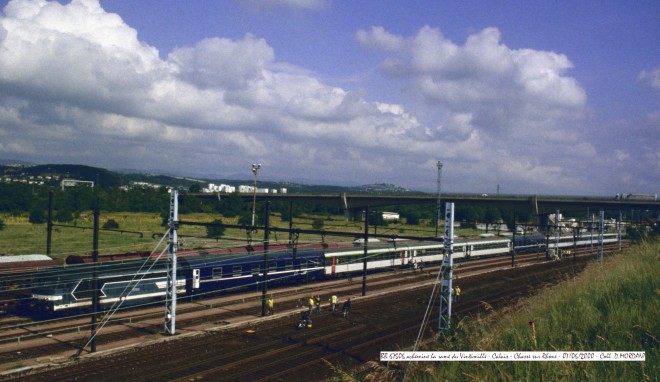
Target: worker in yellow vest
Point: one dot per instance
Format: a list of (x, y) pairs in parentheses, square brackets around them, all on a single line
[(311, 304), (270, 304)]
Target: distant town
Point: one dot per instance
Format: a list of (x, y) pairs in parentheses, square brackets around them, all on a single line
[(63, 175)]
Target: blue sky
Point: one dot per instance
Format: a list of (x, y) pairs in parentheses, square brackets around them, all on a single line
[(537, 97)]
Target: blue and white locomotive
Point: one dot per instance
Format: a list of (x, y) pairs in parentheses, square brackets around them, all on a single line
[(140, 281)]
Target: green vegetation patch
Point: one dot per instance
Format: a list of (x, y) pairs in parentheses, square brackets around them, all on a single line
[(612, 306)]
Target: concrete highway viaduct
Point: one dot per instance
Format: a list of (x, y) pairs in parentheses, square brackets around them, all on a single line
[(538, 205)]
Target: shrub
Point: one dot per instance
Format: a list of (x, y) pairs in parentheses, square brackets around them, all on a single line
[(318, 224), (111, 224), (63, 216), (215, 232), (37, 217)]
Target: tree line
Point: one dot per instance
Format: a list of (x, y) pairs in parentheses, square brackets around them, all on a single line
[(69, 203)]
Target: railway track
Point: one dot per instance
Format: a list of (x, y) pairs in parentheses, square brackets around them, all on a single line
[(271, 343), (21, 329)]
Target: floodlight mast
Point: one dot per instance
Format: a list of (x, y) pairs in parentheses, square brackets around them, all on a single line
[(255, 170)]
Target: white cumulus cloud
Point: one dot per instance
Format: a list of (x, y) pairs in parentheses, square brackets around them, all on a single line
[(510, 105), (651, 78), (78, 83)]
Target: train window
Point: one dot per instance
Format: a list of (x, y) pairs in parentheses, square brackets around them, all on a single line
[(237, 270), (288, 265), (491, 245), (216, 273), (256, 269), (272, 266)]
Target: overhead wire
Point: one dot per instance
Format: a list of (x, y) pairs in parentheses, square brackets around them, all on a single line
[(113, 309)]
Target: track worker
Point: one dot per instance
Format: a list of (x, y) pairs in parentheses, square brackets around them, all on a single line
[(317, 302), (311, 304), (333, 301), (270, 304), (347, 306), (457, 292), (305, 321)]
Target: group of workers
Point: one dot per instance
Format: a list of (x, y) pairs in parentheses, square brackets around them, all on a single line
[(314, 303), (413, 264)]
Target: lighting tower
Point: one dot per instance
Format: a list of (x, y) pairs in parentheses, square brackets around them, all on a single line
[(255, 170)]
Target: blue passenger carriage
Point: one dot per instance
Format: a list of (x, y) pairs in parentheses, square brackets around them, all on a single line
[(213, 273)]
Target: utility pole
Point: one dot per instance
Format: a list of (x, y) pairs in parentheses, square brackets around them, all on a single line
[(438, 205), (264, 286), (601, 226), (447, 270), (49, 226), (170, 292), (557, 252), (619, 231), (513, 243), (95, 281), (366, 250), (291, 224)]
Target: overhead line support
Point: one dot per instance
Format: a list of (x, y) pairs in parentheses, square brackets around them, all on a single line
[(170, 292), (447, 270)]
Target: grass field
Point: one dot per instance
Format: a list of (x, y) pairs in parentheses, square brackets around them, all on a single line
[(21, 237), (611, 306)]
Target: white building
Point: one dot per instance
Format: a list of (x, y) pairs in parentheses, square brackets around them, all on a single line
[(390, 216), (219, 188), (243, 189), (73, 182)]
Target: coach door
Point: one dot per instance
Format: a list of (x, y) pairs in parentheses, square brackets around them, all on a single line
[(195, 278)]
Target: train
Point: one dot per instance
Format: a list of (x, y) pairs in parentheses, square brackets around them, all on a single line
[(627, 196), (142, 280), (17, 274)]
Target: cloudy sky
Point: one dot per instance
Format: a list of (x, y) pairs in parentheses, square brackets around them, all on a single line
[(538, 97)]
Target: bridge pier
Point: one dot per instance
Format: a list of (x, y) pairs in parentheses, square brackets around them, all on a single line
[(353, 214)]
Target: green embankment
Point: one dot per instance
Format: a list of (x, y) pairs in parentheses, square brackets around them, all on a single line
[(612, 306)]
